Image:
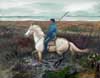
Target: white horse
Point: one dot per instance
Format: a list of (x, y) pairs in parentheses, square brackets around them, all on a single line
[(62, 45)]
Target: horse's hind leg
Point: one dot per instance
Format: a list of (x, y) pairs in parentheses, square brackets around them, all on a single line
[(58, 62)]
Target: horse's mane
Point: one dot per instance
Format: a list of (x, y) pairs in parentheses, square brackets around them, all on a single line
[(38, 29), (35, 26)]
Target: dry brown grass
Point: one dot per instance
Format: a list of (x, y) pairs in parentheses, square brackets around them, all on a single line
[(61, 25), (87, 75)]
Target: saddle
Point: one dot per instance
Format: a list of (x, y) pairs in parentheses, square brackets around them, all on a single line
[(52, 45)]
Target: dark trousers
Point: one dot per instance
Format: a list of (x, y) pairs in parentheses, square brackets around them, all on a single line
[(46, 41)]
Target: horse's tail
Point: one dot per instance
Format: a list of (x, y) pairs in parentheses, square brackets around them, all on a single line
[(74, 48)]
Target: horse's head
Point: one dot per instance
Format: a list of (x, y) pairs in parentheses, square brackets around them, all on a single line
[(33, 29)]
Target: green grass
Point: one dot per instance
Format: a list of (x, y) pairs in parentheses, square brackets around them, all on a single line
[(61, 74)]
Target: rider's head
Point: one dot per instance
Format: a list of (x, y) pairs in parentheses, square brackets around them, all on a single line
[(52, 20)]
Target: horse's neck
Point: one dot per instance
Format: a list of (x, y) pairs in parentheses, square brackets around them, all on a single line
[(37, 37)]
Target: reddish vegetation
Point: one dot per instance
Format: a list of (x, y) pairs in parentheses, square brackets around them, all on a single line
[(23, 42), (61, 25), (82, 41), (12, 34)]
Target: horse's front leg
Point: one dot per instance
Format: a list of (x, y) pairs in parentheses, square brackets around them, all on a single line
[(40, 56)]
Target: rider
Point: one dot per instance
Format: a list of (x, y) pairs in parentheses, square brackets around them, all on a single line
[(51, 34)]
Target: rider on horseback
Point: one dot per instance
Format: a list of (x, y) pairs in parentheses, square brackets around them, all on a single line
[(51, 34)]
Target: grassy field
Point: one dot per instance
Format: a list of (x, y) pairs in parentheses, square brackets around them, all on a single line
[(13, 44)]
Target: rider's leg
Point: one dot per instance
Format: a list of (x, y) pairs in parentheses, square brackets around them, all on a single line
[(46, 44), (47, 39)]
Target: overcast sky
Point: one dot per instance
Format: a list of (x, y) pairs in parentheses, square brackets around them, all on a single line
[(49, 8)]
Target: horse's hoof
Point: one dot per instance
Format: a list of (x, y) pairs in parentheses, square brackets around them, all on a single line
[(35, 63)]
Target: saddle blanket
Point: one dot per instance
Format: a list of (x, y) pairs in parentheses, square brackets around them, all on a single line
[(52, 45)]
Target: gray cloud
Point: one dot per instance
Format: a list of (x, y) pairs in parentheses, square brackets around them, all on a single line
[(49, 8)]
